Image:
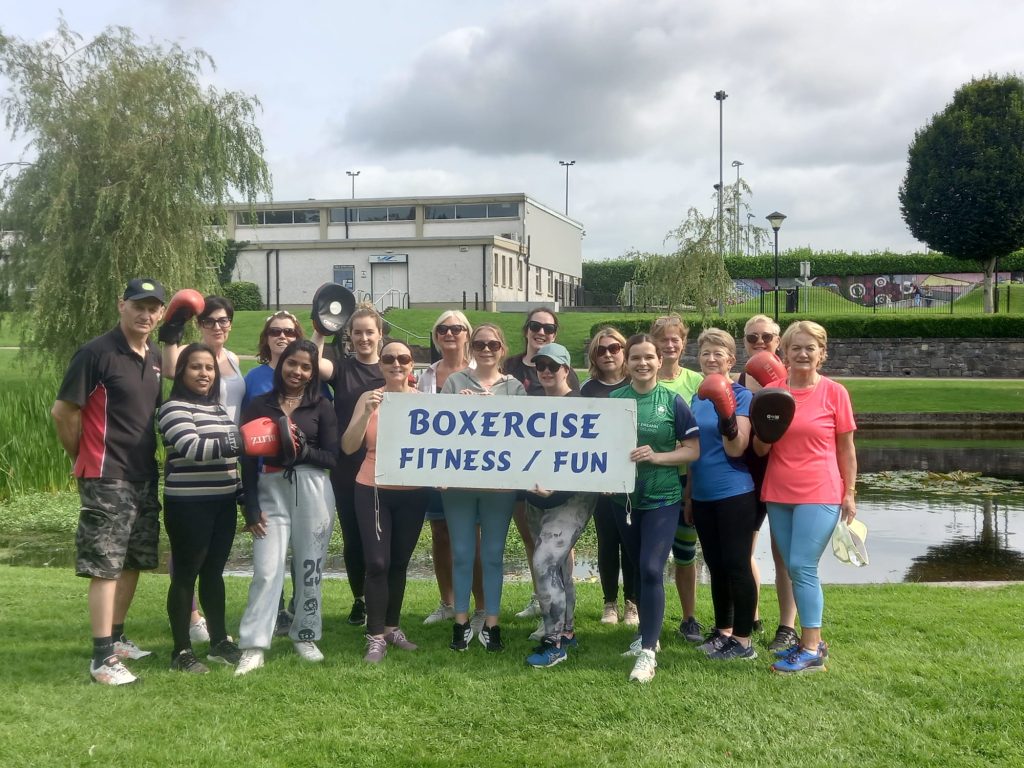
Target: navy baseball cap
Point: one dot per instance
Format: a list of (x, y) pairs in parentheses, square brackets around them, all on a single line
[(144, 288)]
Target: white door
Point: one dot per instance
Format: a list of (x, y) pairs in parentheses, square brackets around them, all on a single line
[(390, 285)]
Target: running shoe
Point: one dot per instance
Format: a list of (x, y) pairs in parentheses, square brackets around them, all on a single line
[(547, 655), (732, 650), (111, 672), (691, 630), (198, 631), (801, 661), (531, 610), (357, 616), (643, 670), (186, 661), (631, 616), (569, 641), (376, 649), (225, 652), (461, 635), (308, 651), (443, 612), (397, 638), (785, 638), (714, 641), (252, 658), (490, 638), (637, 646), (476, 621), (126, 649), (611, 613), (783, 653), (283, 625)]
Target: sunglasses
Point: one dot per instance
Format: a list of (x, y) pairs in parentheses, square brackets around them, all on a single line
[(611, 349), (548, 328), (547, 366), (764, 337), (454, 330), (493, 345), (389, 359), (215, 322), (290, 333)]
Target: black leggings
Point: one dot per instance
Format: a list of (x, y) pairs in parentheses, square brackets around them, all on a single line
[(611, 550), (201, 534), (399, 516), (343, 481), (725, 528)]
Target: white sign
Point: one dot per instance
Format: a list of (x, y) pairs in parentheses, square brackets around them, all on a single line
[(511, 443), (389, 258)]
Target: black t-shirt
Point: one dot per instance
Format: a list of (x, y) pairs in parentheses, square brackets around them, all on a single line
[(527, 375), (351, 379), (597, 388), (118, 392)]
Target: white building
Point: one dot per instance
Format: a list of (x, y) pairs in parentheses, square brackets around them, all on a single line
[(501, 252)]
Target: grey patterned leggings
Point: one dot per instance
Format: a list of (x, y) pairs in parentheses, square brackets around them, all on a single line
[(555, 532)]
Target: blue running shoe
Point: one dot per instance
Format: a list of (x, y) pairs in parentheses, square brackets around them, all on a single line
[(569, 641), (784, 652), (799, 662), (547, 655), (732, 650)]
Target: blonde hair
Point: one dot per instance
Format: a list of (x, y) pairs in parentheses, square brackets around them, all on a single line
[(662, 325), (719, 338), (605, 333), (462, 320), (762, 319), (496, 330), (366, 309), (812, 329)]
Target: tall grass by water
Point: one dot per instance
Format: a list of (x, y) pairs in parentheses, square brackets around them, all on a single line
[(31, 458)]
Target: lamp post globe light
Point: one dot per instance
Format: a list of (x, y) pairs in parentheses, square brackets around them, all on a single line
[(352, 175), (776, 219), (568, 164)]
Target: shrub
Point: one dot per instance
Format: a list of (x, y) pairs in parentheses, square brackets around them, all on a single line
[(245, 296)]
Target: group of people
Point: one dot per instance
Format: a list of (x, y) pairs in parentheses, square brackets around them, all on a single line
[(295, 440)]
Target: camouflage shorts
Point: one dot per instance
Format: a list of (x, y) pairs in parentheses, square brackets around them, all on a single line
[(118, 527)]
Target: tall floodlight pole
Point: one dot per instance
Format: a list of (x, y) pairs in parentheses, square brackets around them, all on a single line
[(749, 217), (776, 219), (353, 175), (568, 164), (736, 203), (720, 97)]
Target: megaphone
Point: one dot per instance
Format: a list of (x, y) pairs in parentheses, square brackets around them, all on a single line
[(333, 304)]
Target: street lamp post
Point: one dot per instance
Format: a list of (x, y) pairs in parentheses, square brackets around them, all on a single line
[(720, 97), (736, 202), (353, 175), (749, 217), (568, 164), (776, 219)]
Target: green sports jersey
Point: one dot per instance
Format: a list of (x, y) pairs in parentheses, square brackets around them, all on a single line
[(685, 385), (662, 420)]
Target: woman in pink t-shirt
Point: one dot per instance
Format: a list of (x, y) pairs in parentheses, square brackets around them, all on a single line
[(811, 481)]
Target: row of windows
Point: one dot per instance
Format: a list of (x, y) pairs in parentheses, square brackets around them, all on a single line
[(356, 214), (513, 274)]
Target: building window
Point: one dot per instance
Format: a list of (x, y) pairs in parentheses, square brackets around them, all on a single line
[(540, 274), (504, 270), (402, 213), (373, 213), (519, 274), (439, 212), (301, 216), (496, 269), (551, 282), (503, 210), (471, 211)]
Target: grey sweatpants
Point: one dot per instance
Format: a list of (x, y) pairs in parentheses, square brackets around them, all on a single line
[(555, 532), (300, 511)]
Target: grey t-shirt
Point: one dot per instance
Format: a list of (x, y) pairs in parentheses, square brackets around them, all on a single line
[(466, 379)]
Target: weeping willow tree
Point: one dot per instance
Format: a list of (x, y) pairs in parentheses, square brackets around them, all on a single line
[(129, 160)]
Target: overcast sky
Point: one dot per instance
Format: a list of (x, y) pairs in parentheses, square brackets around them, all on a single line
[(475, 97)]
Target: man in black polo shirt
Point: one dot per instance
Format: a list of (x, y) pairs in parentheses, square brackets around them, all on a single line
[(104, 417)]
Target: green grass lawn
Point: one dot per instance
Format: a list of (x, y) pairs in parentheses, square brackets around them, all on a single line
[(935, 395), (909, 685)]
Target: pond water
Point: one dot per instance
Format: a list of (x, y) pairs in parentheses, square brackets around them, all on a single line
[(922, 526)]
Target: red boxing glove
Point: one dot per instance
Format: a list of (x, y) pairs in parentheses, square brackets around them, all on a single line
[(184, 305), (718, 389), (766, 368), (260, 437)]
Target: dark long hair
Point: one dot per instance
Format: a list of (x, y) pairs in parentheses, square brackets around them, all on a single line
[(181, 392), (312, 393)]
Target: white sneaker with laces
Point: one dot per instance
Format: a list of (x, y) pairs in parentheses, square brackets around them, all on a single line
[(126, 649), (610, 614), (531, 610), (476, 621), (443, 612), (111, 674), (308, 651), (631, 616), (252, 658), (637, 646), (198, 632), (643, 670)]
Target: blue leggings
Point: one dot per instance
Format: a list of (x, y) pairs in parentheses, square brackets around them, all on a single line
[(649, 540), (802, 531), (492, 511)]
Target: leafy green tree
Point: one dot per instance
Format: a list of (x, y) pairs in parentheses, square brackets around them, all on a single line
[(963, 193), (130, 160)]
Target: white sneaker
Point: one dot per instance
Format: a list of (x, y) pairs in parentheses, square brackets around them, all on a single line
[(443, 612), (126, 649), (111, 674), (643, 670), (198, 632), (476, 621), (630, 616), (531, 610), (611, 613), (252, 658), (308, 651), (538, 633), (637, 646)]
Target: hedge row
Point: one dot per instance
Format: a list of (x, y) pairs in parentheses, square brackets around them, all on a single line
[(244, 296), (860, 327)]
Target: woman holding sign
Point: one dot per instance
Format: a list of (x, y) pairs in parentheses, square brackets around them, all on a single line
[(465, 509), (390, 517), (666, 437)]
